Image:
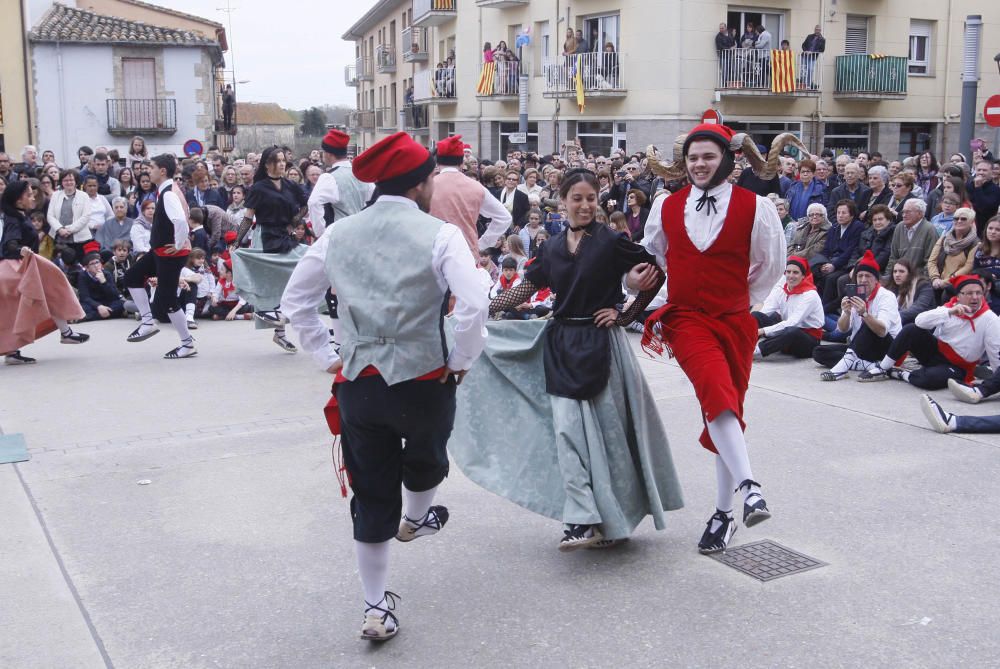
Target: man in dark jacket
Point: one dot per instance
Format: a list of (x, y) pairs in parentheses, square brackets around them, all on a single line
[(852, 189), (812, 46), (984, 194), (99, 297)]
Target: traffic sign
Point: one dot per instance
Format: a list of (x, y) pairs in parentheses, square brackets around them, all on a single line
[(712, 116), (991, 112), (518, 138), (193, 148)]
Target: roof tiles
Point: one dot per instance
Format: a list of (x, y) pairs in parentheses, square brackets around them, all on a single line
[(68, 24)]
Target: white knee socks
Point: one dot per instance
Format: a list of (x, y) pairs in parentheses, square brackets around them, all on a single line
[(725, 486), (416, 504), (141, 300), (373, 566), (732, 447), (179, 321), (64, 328)]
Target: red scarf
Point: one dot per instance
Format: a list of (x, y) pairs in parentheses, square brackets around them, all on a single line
[(227, 290), (868, 300), (805, 285), (505, 284)]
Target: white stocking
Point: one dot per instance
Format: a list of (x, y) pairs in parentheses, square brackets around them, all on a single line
[(732, 447), (725, 486), (141, 300), (63, 326), (179, 321), (373, 566), (416, 504)]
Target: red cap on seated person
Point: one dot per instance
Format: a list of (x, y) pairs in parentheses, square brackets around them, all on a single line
[(396, 163), (958, 282), (336, 141), (868, 264), (91, 247), (799, 262)]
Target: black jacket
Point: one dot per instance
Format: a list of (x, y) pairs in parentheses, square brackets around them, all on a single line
[(93, 293), (521, 207), (860, 198), (815, 43), (880, 244), (985, 201), (17, 232)]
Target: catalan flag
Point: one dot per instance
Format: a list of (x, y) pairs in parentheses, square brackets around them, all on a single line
[(486, 79), (782, 71), (580, 101)]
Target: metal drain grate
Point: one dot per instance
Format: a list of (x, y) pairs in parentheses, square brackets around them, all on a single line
[(766, 560)]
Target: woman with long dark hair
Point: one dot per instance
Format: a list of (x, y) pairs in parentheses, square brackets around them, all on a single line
[(590, 434), (914, 292), (24, 317), (274, 206)]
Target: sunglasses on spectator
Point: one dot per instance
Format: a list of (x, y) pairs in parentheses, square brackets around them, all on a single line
[(896, 185), (961, 218)]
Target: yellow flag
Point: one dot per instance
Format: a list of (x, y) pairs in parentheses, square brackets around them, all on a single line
[(580, 101)]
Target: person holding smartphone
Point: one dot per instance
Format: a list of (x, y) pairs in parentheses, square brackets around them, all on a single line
[(871, 315)]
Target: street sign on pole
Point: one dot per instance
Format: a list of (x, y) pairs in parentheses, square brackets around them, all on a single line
[(712, 116), (518, 138), (991, 112)]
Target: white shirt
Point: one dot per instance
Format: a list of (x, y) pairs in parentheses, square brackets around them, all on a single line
[(803, 310), (883, 308), (326, 191), (958, 333), (140, 238), (100, 211), (175, 212), (454, 269), (500, 217), (767, 240)]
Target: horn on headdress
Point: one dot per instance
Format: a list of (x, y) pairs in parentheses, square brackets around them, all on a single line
[(744, 142), (780, 143), (674, 171)]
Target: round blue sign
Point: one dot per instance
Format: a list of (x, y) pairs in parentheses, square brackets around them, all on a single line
[(193, 147)]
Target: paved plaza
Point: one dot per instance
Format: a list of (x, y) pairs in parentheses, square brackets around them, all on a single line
[(238, 553)]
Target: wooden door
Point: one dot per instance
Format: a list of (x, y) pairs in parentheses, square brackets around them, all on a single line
[(139, 108)]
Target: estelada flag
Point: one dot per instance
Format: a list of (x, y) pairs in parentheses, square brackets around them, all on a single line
[(782, 71), (486, 79)]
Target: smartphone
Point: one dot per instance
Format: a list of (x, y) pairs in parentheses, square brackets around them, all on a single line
[(123, 161), (622, 173), (854, 290)]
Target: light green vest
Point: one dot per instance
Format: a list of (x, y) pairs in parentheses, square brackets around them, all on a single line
[(390, 305), (352, 194)]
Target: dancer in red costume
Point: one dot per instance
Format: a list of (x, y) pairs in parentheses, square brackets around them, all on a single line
[(723, 250)]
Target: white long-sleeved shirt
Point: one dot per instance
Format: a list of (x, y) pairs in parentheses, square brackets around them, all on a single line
[(491, 208), (767, 240), (139, 235), (967, 341), (324, 192), (454, 269), (175, 212), (803, 310), (884, 308)]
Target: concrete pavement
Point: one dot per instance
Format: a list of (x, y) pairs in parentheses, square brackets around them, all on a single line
[(237, 553)]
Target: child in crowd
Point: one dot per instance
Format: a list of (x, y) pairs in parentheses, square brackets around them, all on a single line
[(226, 304), (516, 251), (198, 234), (119, 263), (486, 263), (509, 277), (619, 223), (197, 284), (942, 222), (99, 297), (46, 245), (238, 207)]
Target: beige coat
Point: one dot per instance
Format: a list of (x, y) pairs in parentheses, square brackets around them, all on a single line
[(955, 265), (808, 241)]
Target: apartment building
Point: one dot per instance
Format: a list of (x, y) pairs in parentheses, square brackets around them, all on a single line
[(890, 75)]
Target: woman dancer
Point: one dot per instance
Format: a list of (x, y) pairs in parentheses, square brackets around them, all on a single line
[(35, 297), (590, 450), (263, 270)]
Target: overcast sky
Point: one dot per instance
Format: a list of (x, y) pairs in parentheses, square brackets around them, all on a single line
[(290, 51)]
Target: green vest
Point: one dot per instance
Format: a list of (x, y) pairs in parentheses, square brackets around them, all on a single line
[(390, 305), (351, 192)]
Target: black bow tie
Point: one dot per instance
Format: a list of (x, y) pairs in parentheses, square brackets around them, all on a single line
[(709, 200)]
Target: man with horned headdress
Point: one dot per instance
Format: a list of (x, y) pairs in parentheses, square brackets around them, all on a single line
[(722, 248)]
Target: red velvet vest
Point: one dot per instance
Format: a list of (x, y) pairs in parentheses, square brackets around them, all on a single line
[(714, 281)]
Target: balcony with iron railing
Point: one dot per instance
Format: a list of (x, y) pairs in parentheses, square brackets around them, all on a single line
[(363, 69), (415, 45), (361, 120), (435, 86), (767, 73), (601, 73), (433, 12), (385, 58), (147, 117), (501, 4), (386, 120), (351, 75), (871, 76), (416, 119), (499, 81)]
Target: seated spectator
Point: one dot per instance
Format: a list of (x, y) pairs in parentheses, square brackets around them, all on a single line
[(509, 277), (901, 186), (988, 254), (955, 252), (199, 283), (516, 250), (983, 193), (807, 190), (142, 228), (841, 243), (914, 293), (119, 263), (810, 236), (791, 318), (914, 237), (878, 181), (46, 245), (944, 219), (944, 421), (948, 341), (117, 227), (226, 304), (787, 222), (851, 189), (99, 297), (871, 316)]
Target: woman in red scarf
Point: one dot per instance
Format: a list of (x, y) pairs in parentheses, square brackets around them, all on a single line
[(791, 318)]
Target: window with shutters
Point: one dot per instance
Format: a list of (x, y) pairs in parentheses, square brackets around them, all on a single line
[(920, 47), (856, 40)]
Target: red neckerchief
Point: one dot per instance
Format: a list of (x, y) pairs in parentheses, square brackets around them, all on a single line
[(505, 284), (804, 286), (868, 300), (983, 308), (227, 288)]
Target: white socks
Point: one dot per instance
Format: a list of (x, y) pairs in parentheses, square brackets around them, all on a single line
[(373, 566), (728, 438), (189, 311), (141, 300), (179, 321), (64, 328), (725, 485), (416, 504)]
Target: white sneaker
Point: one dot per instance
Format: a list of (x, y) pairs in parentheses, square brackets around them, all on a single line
[(939, 419), (965, 393)]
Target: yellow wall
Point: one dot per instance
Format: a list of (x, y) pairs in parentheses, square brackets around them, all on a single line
[(16, 109), (127, 10)]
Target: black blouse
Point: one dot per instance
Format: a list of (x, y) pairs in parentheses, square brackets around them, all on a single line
[(17, 232), (274, 210)]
